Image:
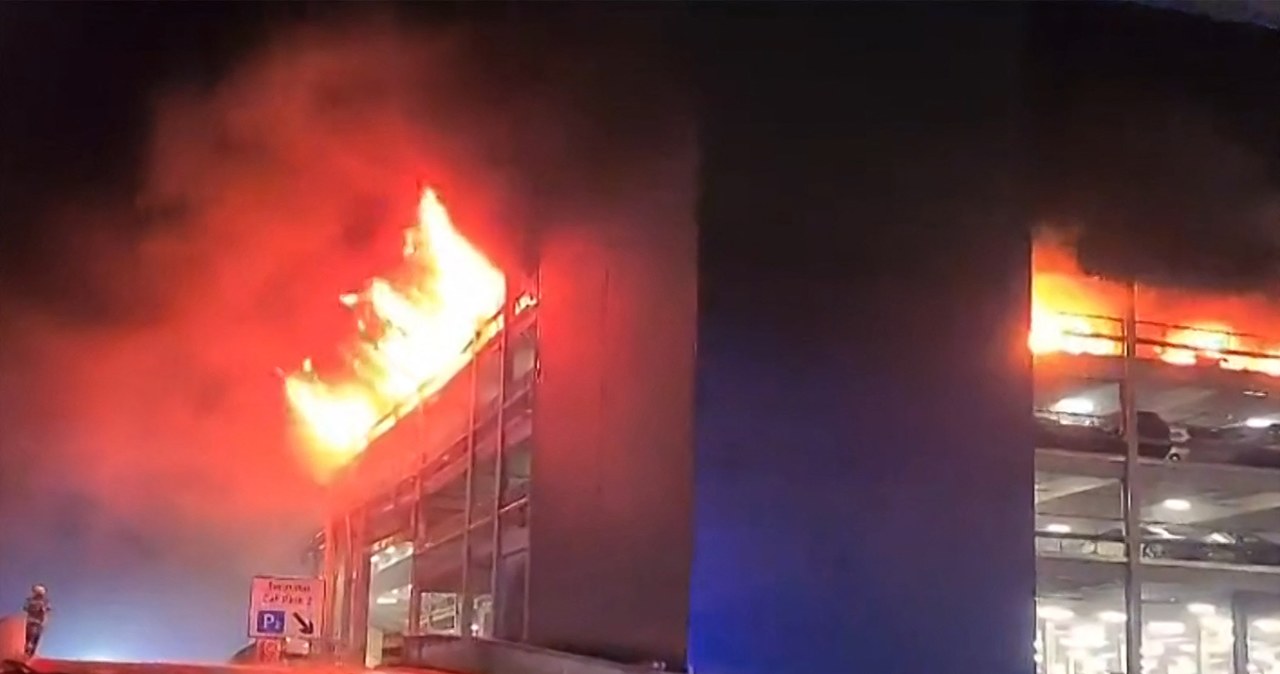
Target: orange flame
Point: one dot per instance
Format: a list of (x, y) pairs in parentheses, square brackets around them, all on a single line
[(1075, 314), (424, 326)]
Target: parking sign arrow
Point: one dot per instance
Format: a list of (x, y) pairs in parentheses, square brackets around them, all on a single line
[(307, 627)]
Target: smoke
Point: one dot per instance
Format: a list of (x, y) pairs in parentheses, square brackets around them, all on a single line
[(1163, 155), (149, 466)]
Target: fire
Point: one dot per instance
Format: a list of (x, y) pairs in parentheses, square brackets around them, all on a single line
[(417, 331), (1075, 314), (1205, 342), (1054, 332)]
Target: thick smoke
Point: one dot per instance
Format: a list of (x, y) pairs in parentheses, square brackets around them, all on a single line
[(1161, 153), (149, 464)]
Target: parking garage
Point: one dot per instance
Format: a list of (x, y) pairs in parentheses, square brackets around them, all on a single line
[(1190, 571)]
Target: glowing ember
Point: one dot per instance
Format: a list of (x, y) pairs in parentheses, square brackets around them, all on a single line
[(416, 332)]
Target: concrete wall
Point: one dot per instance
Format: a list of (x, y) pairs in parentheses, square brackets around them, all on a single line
[(612, 492), (611, 501), (864, 451), (497, 657)]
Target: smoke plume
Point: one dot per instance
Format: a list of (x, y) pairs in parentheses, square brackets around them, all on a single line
[(149, 468)]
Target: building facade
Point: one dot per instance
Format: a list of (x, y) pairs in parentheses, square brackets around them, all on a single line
[(887, 478)]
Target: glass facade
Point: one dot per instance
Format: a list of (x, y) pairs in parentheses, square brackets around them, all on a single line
[(1157, 477), (434, 541)]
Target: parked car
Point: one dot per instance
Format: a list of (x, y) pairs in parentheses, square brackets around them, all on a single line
[(1104, 434), (1184, 544)]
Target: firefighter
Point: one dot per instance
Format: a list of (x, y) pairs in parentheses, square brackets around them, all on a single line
[(37, 609)]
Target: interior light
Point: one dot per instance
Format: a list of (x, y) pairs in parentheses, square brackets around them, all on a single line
[(1268, 625), (1087, 636), (386, 600), (1113, 617), (1259, 422), (1201, 608), (1219, 623), (1054, 613), (1074, 406), (1058, 528), (1177, 504), (1166, 628)]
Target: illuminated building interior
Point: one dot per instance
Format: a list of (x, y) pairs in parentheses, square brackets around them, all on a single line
[(1205, 486), (418, 553), (425, 439)]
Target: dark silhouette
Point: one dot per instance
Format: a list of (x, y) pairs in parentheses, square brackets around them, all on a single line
[(37, 609)]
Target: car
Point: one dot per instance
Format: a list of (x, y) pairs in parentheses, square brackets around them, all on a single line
[(1105, 435), (1174, 543)]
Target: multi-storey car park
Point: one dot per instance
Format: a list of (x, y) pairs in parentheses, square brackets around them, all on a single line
[(867, 415), (436, 541), (527, 479), (1167, 537)]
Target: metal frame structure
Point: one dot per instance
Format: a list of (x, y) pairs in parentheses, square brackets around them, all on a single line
[(1138, 571), (1131, 504), (346, 550)]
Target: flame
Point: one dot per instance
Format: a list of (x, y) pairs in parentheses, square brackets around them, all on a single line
[(1068, 308), (1074, 314), (417, 333), (1207, 342), (1055, 332)]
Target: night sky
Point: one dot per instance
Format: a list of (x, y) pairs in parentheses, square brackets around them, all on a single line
[(185, 187)]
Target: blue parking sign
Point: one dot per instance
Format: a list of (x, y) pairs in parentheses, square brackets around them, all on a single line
[(271, 622)]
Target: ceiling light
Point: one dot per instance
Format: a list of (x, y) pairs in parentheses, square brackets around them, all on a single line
[(1216, 622), (1177, 504), (1268, 625), (1201, 608), (1259, 422), (1166, 628), (1054, 613), (1074, 406), (1113, 617), (386, 600), (1058, 528), (1086, 636)]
